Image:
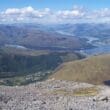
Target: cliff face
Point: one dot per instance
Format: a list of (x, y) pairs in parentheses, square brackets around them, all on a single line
[(55, 95)]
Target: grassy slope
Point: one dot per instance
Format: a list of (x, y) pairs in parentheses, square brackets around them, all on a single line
[(93, 70)]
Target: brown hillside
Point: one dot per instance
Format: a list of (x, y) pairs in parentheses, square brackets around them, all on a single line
[(93, 70)]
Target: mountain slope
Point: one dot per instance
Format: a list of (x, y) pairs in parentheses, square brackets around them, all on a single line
[(23, 66), (95, 70)]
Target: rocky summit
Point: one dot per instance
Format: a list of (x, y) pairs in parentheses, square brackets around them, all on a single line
[(55, 95)]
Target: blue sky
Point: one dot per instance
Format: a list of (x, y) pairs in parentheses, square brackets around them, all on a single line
[(54, 11), (54, 4)]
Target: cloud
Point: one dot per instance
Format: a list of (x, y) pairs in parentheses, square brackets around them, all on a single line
[(25, 14), (76, 14)]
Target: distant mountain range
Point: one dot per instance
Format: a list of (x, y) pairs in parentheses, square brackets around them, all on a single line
[(85, 29), (37, 37)]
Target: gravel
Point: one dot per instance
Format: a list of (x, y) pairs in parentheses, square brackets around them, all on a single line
[(41, 96)]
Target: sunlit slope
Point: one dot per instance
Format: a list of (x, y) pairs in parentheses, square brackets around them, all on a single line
[(94, 70)]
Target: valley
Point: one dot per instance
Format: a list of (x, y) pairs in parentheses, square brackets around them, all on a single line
[(98, 35), (32, 52), (23, 66)]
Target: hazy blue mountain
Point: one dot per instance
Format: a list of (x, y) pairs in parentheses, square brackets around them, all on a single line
[(34, 36)]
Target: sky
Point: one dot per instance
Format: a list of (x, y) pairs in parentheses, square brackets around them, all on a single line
[(54, 4), (54, 11)]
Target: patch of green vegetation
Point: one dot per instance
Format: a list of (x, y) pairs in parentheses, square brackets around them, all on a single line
[(24, 80)]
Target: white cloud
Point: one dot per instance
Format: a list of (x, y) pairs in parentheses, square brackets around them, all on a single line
[(25, 14), (76, 14)]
